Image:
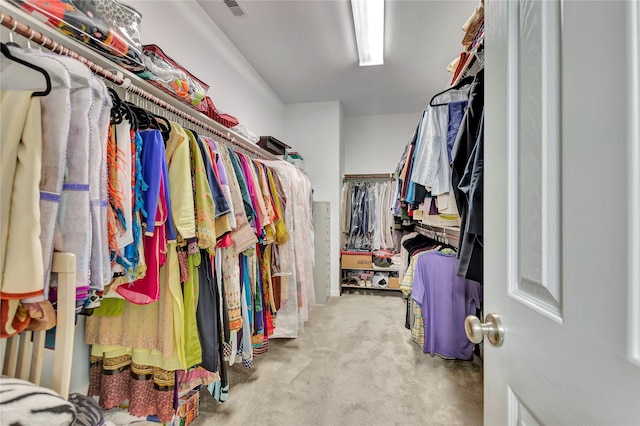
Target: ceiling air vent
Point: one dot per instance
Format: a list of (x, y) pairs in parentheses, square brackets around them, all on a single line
[(235, 8)]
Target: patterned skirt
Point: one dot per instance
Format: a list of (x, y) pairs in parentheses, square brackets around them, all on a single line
[(149, 390)]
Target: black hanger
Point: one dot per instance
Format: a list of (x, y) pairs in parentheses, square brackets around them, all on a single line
[(7, 52), (463, 82), (117, 113), (144, 120), (129, 115), (163, 125)]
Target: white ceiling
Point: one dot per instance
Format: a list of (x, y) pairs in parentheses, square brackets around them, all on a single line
[(306, 50)]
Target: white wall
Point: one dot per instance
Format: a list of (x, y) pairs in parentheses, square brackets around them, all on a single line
[(314, 130), (374, 143), (197, 43)]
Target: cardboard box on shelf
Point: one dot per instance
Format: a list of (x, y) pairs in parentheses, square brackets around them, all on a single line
[(394, 282), (356, 260)]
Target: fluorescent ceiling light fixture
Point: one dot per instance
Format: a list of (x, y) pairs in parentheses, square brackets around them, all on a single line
[(368, 20)]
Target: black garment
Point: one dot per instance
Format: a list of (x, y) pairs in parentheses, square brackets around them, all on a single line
[(419, 194), (224, 381), (226, 330), (207, 315), (471, 247), (470, 253), (416, 243)]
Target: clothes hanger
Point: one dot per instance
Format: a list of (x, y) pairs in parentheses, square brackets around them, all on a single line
[(163, 125), (117, 113), (143, 119), (7, 52), (461, 83), (129, 115)]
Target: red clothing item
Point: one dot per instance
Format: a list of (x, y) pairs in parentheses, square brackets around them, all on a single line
[(147, 289), (225, 241)]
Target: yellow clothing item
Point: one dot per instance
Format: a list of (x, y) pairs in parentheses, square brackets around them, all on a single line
[(270, 227), (193, 349), (223, 226), (21, 260), (151, 334), (282, 235), (205, 206), (179, 163), (21, 268)]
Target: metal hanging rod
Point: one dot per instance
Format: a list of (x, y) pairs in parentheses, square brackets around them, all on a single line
[(446, 235), (369, 176), (37, 37)]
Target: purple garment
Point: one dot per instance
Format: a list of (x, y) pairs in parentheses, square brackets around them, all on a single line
[(433, 208), (446, 299)]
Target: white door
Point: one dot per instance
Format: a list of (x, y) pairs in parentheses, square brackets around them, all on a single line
[(562, 212)]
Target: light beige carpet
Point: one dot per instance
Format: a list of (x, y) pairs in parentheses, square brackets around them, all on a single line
[(355, 364)]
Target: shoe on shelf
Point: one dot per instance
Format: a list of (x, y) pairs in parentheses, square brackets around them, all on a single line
[(382, 262), (349, 281), (379, 281)]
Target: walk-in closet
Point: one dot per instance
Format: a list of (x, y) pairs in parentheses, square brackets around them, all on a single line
[(345, 212)]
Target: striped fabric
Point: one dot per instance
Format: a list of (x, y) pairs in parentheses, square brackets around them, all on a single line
[(88, 411)]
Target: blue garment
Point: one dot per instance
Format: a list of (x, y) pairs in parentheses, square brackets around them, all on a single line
[(152, 154), (171, 230), (246, 285), (411, 188), (456, 114), (222, 206), (131, 253), (244, 190)]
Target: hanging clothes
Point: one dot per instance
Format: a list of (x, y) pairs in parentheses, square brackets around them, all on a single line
[(190, 256), (367, 222), (468, 161), (445, 299), (22, 273)]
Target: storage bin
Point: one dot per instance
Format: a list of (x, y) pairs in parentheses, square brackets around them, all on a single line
[(394, 282), (224, 119), (108, 26), (163, 72), (356, 260)]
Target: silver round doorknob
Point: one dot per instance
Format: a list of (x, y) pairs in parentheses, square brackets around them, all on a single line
[(492, 328)]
